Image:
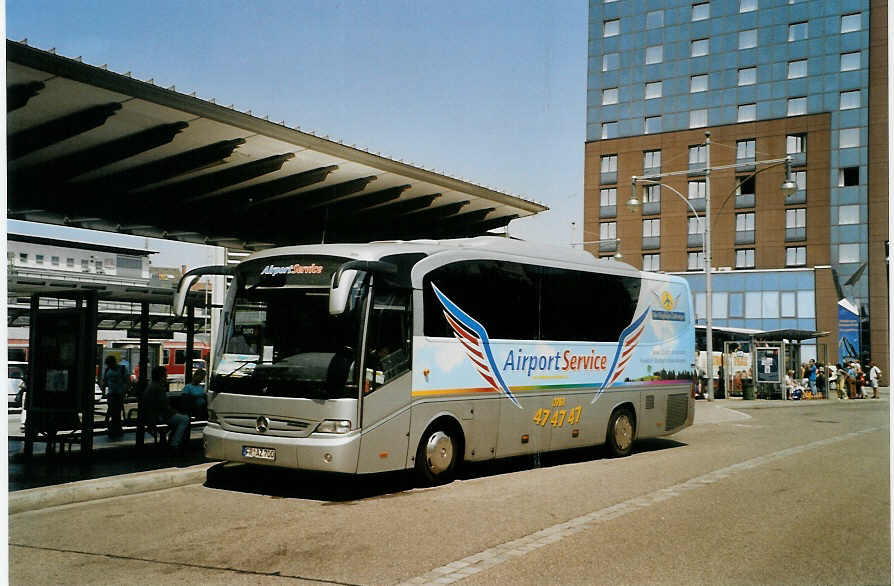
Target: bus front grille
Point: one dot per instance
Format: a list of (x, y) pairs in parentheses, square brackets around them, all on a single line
[(677, 410)]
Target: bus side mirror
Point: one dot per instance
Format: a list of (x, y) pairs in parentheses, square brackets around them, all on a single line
[(189, 279), (342, 281)]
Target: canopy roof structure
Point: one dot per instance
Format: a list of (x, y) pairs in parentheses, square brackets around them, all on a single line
[(91, 148)]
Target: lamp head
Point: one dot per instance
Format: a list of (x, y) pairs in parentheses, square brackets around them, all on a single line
[(788, 187)]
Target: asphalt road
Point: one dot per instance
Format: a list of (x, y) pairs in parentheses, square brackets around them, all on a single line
[(789, 494)]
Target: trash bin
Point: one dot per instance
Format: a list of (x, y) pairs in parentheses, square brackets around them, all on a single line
[(748, 392)]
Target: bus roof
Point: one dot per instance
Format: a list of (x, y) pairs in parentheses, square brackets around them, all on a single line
[(534, 252)]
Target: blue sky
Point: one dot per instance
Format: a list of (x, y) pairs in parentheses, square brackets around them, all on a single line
[(493, 91)]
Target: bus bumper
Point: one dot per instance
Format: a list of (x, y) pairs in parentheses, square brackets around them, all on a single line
[(323, 452)]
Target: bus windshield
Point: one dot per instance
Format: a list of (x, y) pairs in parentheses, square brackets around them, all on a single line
[(283, 342)]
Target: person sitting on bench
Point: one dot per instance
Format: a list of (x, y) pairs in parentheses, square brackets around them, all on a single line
[(193, 399), (156, 409)]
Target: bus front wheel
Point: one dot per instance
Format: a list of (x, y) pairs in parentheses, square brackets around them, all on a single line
[(437, 456), (620, 434)]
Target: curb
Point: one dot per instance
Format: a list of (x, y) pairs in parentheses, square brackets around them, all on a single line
[(87, 490)]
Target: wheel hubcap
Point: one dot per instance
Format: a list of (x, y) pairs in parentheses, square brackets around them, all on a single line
[(439, 452), (623, 432)]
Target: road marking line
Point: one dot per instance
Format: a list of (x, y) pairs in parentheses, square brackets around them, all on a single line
[(498, 554)]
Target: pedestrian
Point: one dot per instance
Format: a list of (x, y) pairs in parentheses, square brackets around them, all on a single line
[(851, 381), (114, 386), (841, 372), (821, 381), (157, 410), (874, 373), (811, 376)]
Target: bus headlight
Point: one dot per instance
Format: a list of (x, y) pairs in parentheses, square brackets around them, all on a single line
[(334, 426)]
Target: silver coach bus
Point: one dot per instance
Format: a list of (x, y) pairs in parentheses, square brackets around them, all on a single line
[(424, 354)]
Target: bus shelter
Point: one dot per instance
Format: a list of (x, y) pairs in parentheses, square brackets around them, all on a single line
[(64, 360), (753, 362)]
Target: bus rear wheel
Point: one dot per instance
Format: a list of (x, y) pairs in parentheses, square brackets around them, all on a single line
[(437, 456), (620, 434)]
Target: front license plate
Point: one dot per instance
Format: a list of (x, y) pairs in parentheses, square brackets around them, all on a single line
[(258, 453)]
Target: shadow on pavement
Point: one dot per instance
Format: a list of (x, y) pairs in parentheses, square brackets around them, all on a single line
[(53, 469), (342, 488)]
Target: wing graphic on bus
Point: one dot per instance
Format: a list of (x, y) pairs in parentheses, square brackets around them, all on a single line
[(626, 345), (476, 344)]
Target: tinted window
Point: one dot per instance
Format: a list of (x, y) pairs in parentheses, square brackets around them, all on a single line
[(501, 296), (589, 307), (524, 302)]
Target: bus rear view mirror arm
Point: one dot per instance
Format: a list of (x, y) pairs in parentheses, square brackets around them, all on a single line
[(343, 280), (190, 278)]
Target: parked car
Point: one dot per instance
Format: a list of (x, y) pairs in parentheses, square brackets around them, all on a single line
[(16, 382)]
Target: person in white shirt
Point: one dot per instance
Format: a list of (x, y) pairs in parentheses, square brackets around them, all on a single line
[(874, 373)]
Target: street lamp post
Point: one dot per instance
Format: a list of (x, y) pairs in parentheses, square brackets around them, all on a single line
[(787, 188), (617, 241)]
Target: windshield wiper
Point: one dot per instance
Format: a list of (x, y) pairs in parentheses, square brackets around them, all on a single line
[(243, 364)]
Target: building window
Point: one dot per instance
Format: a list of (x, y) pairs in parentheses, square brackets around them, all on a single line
[(748, 39), (84, 264), (609, 96), (609, 130), (698, 155), (848, 138), (699, 47), (696, 226), (23, 257), (850, 100), (745, 149), (652, 194), (697, 189), (850, 61), (800, 178), (701, 11), (795, 144), (652, 160), (654, 54), (796, 218), (746, 112), (655, 19), (611, 28), (745, 186), (654, 89), (607, 231), (797, 31), (747, 5), (850, 23), (695, 261), (652, 125), (651, 262), (70, 263), (848, 176), (796, 256), (38, 258), (698, 83), (848, 253), (698, 118), (652, 228), (848, 215), (797, 69), (608, 164), (54, 260), (797, 106), (611, 61), (608, 196), (747, 76), (745, 222), (745, 258)]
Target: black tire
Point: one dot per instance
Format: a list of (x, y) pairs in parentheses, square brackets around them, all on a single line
[(620, 433), (437, 456)]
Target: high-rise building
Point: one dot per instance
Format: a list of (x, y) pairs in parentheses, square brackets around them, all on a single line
[(766, 79)]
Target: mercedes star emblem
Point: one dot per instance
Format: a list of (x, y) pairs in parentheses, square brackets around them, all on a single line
[(262, 424)]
